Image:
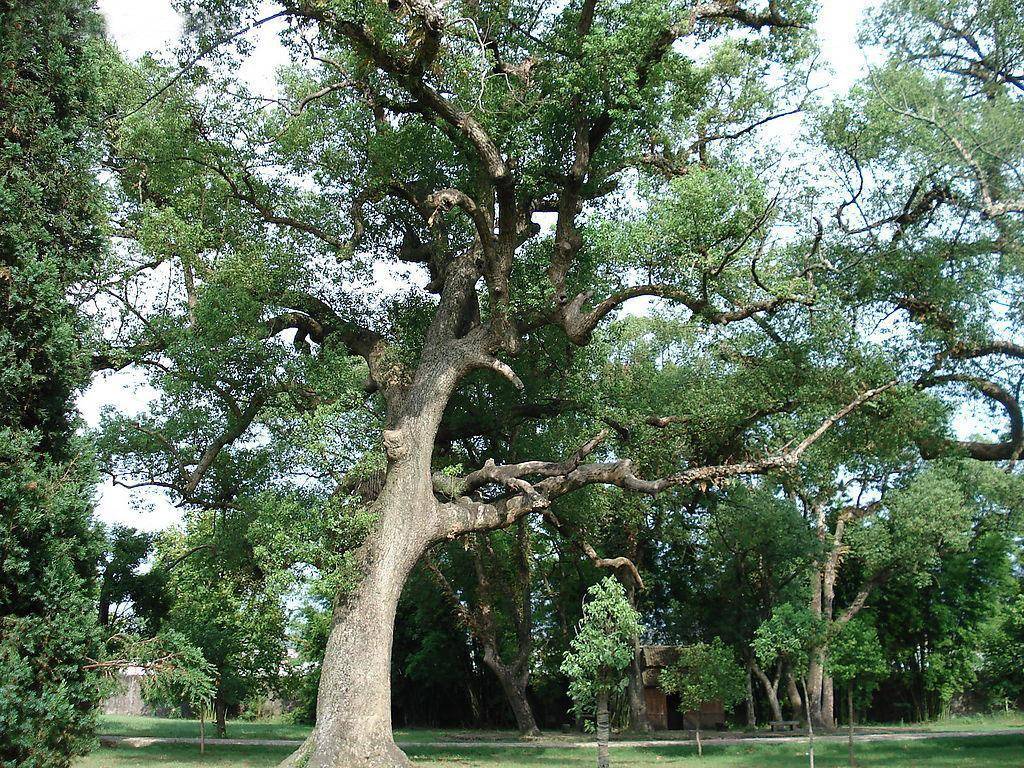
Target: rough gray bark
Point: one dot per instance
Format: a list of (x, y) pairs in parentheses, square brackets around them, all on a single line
[(353, 728), (828, 712), (796, 702), (353, 725), (821, 715)]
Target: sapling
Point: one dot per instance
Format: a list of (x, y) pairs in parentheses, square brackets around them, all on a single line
[(600, 654), (855, 657)]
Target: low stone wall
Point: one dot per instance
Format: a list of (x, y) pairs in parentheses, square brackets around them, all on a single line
[(128, 700)]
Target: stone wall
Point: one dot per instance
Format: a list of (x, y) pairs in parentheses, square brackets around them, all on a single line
[(128, 700)]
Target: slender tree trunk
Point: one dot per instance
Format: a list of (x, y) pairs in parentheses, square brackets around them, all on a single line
[(812, 683), (202, 729), (810, 728), (514, 688), (474, 701), (603, 729), (751, 712), (700, 746), (771, 691), (849, 715)]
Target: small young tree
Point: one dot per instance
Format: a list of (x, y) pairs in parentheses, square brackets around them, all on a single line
[(855, 657), (175, 670), (600, 653), (704, 672), (790, 635), (232, 614)]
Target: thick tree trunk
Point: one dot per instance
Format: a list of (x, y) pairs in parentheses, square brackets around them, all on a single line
[(353, 725), (796, 703), (828, 703), (220, 710), (603, 730), (637, 704), (819, 692), (815, 673), (514, 688), (634, 674)]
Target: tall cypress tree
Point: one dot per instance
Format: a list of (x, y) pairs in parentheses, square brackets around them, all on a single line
[(50, 237)]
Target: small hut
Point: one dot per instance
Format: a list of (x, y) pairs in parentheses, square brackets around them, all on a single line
[(663, 710)]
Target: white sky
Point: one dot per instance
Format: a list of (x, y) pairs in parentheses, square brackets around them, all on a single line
[(139, 26)]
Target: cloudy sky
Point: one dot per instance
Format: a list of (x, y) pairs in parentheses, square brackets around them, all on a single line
[(138, 26)]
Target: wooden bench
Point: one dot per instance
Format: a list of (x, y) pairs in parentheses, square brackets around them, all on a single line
[(779, 725)]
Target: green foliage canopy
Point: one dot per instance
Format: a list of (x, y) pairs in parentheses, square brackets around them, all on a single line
[(704, 672)]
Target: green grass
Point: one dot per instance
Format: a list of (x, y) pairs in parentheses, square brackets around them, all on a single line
[(992, 722), (116, 725), (983, 752), (241, 729)]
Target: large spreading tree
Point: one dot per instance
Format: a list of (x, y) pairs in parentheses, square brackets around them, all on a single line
[(335, 292)]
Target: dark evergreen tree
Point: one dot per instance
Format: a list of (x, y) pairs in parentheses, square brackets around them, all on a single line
[(50, 236)]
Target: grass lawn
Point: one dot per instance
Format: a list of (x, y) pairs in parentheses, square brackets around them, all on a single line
[(983, 752), (115, 725), (241, 729), (991, 722)]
